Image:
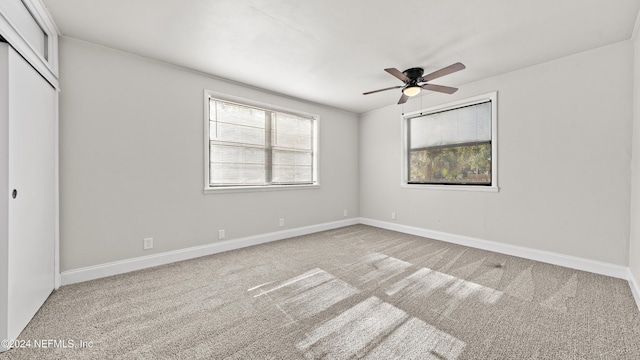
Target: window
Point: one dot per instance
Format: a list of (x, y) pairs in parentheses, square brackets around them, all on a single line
[(452, 145), (252, 145)]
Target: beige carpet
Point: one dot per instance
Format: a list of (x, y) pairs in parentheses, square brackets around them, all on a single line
[(353, 292)]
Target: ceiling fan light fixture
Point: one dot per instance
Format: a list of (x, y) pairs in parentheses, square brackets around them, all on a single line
[(412, 90)]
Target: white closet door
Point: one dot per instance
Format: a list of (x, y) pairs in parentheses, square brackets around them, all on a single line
[(31, 173)]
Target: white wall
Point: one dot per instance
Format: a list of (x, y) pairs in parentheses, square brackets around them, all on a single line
[(564, 161), (131, 161), (634, 242)]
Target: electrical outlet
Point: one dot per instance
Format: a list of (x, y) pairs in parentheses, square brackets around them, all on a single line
[(393, 215), (221, 234), (281, 221), (147, 243), (344, 213)]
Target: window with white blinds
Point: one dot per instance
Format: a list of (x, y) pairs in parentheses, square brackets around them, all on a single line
[(454, 145), (256, 146)]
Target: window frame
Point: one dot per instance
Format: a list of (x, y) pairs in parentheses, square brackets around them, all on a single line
[(493, 97), (208, 189)]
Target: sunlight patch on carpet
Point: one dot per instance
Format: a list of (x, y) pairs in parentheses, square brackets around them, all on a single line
[(308, 294), (425, 281), (385, 267), (375, 329)]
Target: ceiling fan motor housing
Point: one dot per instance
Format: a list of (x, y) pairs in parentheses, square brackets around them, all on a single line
[(413, 74)]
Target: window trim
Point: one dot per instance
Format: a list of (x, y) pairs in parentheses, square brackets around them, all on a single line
[(493, 97), (209, 94)]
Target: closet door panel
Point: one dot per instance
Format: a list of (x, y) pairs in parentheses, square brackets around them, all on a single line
[(31, 192)]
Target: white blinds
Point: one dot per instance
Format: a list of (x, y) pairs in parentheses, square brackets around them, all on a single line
[(252, 146), (469, 124), (237, 144), (292, 140)]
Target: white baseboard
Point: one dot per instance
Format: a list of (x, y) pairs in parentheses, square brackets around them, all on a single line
[(123, 266), (572, 262), (635, 288), (143, 262)]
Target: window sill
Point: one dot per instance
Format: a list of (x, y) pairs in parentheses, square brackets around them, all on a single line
[(451, 187), (240, 189)]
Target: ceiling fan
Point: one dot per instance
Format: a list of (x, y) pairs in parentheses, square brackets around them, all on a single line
[(413, 77)]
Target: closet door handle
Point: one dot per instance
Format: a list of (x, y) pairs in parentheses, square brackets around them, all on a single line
[(14, 193)]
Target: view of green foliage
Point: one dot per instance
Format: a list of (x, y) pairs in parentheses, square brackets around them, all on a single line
[(464, 164)]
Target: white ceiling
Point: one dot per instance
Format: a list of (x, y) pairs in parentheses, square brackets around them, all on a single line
[(331, 51)]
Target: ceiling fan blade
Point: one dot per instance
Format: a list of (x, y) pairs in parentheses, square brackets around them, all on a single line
[(439, 88), (397, 73), (403, 99), (375, 91), (442, 72)]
